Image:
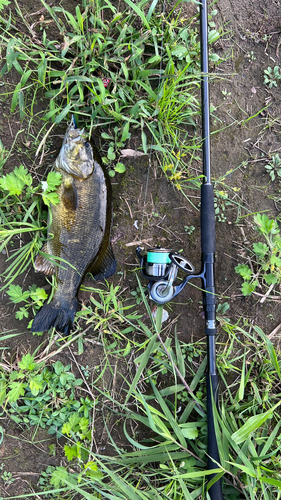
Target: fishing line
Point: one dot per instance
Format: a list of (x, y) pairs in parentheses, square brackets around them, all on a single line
[(157, 100)]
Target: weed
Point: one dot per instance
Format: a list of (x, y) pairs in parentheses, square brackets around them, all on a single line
[(21, 213), (265, 258), (221, 201), (7, 477), (33, 298), (136, 294), (251, 57), (41, 396), (274, 168), (107, 69), (271, 75), (189, 229)]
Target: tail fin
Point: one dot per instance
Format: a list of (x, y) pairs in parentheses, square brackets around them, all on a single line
[(59, 314)]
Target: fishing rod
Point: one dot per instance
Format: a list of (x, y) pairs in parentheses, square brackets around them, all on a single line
[(208, 247), (160, 266)]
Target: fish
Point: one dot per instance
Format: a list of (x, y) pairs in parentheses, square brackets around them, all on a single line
[(79, 228)]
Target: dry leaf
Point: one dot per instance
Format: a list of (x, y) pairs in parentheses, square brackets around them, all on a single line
[(131, 152)]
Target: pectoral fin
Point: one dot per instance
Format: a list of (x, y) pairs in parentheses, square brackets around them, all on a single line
[(43, 265), (69, 195), (103, 266)]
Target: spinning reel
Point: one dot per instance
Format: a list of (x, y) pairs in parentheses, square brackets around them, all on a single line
[(160, 266)]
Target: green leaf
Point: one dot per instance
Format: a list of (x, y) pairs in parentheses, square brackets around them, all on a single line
[(120, 168), (190, 433), (247, 288), (3, 3), (270, 279), (54, 179), (252, 424), (92, 470), (180, 51), (70, 452), (270, 349), (39, 295), (58, 367), (36, 384), (63, 378), (125, 132), (63, 113), (106, 136), (275, 261), (266, 225), (50, 198), (11, 55), (59, 476), (3, 386), (15, 97), (110, 153), (213, 36), (15, 293), (214, 57), (80, 19), (139, 12), (16, 180), (260, 249), (27, 362), (244, 271), (144, 141), (125, 71), (72, 424), (154, 59), (17, 389), (269, 480), (127, 349), (22, 313)]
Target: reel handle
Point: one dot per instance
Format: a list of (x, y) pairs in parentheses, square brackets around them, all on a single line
[(182, 263)]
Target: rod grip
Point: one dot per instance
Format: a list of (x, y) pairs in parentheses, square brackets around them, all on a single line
[(215, 491), (208, 236)]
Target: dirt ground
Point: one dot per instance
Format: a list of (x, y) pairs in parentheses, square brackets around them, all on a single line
[(251, 43)]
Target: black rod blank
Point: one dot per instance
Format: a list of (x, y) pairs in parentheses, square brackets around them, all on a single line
[(208, 246), (205, 92)]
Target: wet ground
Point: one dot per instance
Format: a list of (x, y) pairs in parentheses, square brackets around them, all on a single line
[(245, 133)]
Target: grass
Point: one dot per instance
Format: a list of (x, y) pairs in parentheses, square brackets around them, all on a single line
[(168, 459), (151, 76)]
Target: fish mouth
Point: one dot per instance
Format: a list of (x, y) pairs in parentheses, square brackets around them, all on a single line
[(76, 154)]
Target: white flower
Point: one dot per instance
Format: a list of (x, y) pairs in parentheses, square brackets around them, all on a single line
[(44, 185)]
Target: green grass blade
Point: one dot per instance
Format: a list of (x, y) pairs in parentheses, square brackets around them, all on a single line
[(252, 424), (139, 12)]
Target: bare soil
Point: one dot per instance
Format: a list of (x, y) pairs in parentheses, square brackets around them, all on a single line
[(250, 45)]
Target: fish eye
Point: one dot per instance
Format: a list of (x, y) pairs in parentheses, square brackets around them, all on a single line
[(87, 144)]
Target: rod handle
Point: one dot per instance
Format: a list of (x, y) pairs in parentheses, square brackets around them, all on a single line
[(208, 236), (215, 491)]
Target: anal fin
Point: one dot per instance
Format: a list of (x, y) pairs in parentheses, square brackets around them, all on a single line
[(42, 264), (103, 266)]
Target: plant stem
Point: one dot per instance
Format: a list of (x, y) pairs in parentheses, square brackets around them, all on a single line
[(159, 314)]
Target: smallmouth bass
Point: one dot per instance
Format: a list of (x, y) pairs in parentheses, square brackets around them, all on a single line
[(79, 232)]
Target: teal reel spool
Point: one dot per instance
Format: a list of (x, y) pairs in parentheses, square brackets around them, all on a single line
[(157, 261)]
